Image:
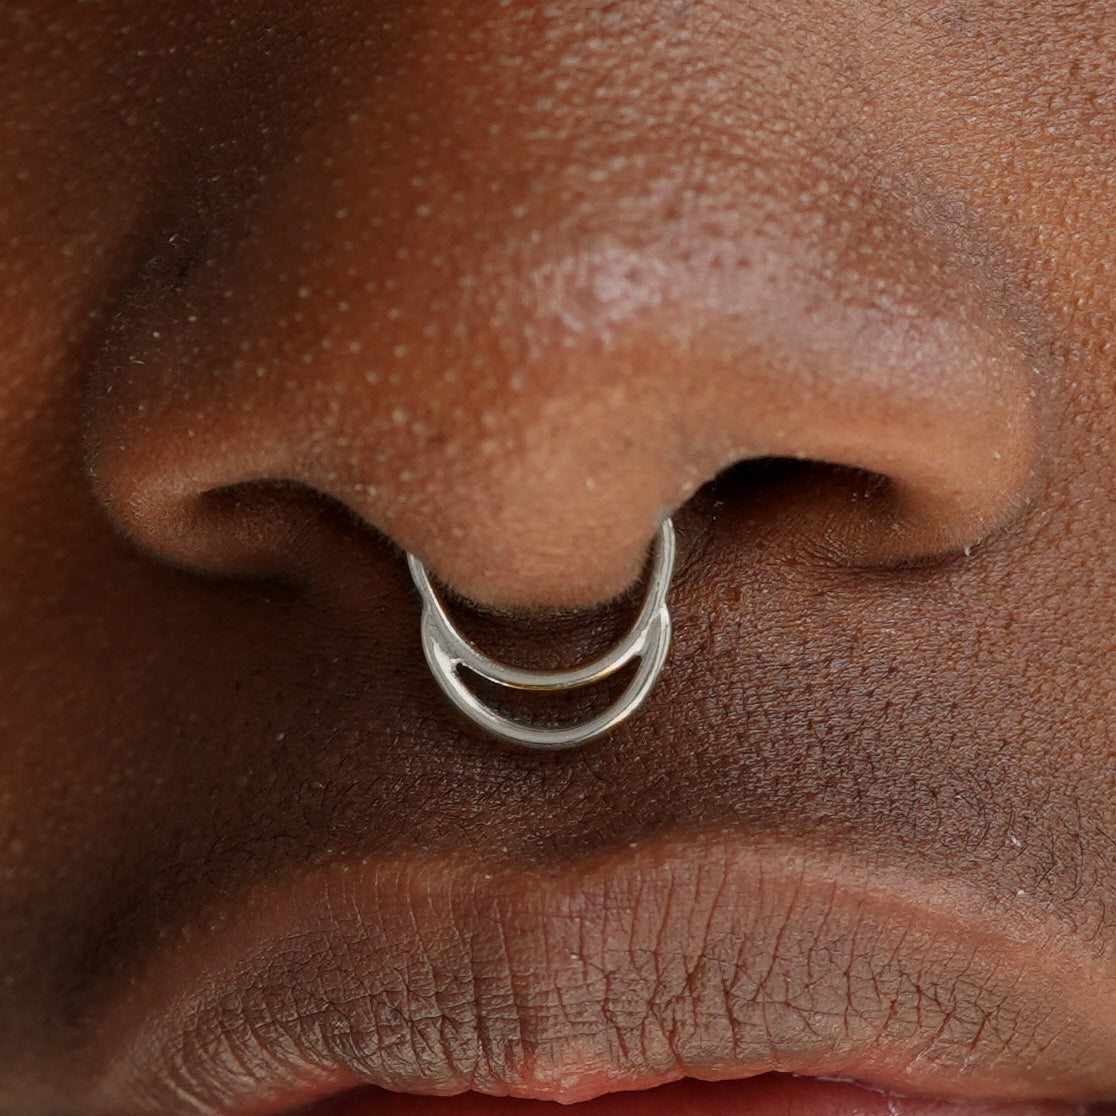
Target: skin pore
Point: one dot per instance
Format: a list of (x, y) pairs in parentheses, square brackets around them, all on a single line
[(291, 288)]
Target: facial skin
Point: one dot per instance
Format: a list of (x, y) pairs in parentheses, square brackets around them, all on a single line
[(289, 289)]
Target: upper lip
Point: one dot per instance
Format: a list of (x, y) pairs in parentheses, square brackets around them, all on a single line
[(704, 958)]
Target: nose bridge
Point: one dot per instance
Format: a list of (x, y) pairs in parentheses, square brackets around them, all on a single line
[(518, 296)]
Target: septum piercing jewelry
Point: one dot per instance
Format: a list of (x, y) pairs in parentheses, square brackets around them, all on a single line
[(648, 640)]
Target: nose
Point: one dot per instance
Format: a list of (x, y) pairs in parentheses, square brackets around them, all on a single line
[(510, 306)]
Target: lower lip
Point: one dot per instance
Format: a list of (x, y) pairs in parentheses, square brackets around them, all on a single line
[(767, 1095)]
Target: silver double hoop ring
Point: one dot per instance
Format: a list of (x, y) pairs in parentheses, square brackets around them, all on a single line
[(447, 651)]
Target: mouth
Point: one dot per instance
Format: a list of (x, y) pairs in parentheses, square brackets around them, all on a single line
[(766, 1095), (762, 979)]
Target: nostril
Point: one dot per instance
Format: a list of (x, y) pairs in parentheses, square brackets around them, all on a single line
[(273, 529), (812, 498), (847, 515), (264, 528), (833, 513)]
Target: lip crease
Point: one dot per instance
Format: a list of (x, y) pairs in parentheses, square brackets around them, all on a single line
[(709, 959)]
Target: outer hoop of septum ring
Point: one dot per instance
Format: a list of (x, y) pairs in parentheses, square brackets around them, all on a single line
[(648, 640)]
